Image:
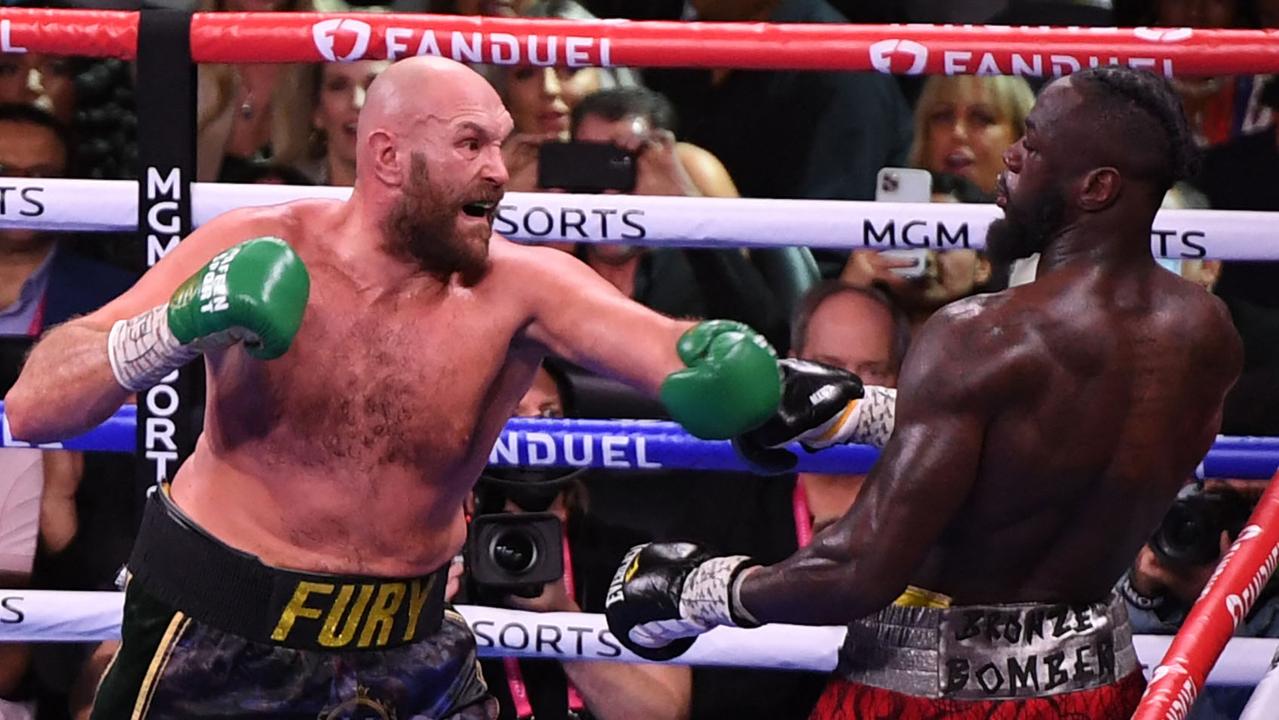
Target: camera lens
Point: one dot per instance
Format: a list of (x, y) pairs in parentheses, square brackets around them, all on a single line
[(514, 551)]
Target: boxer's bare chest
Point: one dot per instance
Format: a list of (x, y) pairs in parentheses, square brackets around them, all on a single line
[(376, 380)]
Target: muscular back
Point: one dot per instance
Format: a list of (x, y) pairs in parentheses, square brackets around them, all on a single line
[(1106, 391)]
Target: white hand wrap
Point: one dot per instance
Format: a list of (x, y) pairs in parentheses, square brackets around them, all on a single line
[(143, 350), (706, 600), (868, 421)]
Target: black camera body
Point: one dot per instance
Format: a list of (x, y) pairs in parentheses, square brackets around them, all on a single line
[(1190, 534), (585, 167), (515, 553)]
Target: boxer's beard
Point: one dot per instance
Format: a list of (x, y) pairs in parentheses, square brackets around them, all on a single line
[(1019, 235), (423, 227)]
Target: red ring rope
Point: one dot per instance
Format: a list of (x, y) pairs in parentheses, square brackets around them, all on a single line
[(902, 49), (1222, 606)]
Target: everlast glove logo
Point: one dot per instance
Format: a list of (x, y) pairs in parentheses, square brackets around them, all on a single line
[(1025, 652), (359, 615)]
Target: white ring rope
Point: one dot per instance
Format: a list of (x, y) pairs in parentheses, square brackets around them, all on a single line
[(1265, 698), (59, 616), (112, 205)]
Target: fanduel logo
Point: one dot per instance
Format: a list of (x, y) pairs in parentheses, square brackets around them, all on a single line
[(891, 56), (1165, 35), (330, 35)]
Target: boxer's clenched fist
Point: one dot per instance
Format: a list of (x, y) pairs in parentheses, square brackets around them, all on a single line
[(731, 384), (665, 594), (254, 292)]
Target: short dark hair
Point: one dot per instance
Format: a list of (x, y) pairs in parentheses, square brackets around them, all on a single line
[(613, 104), (1128, 99), (826, 289), (26, 114)]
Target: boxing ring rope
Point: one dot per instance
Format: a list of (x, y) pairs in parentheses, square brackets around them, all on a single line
[(61, 616), (1265, 697), (651, 445), (1221, 608), (112, 205), (909, 49)]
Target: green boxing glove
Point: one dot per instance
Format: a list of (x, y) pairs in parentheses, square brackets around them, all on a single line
[(254, 292), (732, 383)]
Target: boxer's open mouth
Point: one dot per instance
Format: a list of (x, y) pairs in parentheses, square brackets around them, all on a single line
[(480, 209)]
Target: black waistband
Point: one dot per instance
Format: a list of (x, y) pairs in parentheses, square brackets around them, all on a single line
[(180, 564)]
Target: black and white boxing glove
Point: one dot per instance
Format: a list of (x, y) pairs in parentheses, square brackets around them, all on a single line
[(666, 594), (821, 406)]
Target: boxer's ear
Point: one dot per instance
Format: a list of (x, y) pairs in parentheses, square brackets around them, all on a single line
[(385, 158), (1099, 189)]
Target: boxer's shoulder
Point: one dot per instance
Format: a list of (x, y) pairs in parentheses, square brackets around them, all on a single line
[(294, 222)]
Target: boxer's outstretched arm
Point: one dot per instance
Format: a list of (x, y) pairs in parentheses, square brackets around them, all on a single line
[(67, 386), (581, 317), (862, 562)]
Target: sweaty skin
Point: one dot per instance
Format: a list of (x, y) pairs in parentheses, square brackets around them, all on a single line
[(1041, 432), (353, 452)]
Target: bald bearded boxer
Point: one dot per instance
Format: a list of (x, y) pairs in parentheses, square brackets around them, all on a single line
[(1040, 435), (362, 357)]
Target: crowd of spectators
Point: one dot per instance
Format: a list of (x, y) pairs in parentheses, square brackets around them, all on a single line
[(67, 519)]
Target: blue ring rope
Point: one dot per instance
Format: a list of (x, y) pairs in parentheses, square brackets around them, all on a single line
[(653, 445)]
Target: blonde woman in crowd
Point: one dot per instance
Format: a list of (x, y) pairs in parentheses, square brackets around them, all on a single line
[(248, 112), (324, 147), (963, 125)]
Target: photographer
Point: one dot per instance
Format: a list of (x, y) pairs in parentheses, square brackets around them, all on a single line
[(1172, 569), (515, 508)]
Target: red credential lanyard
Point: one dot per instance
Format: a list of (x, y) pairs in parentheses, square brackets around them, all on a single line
[(37, 320), (515, 678)]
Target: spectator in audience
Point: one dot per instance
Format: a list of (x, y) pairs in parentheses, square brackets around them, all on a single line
[(46, 81), (540, 99), (267, 173), (946, 276), (963, 125), (1201, 271), (21, 480), (600, 690), (768, 518), (1243, 174), (248, 112), (43, 282), (678, 282), (1218, 109), (1172, 569), (788, 133), (335, 96)]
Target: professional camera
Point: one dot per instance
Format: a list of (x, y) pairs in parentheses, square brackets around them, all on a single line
[(1190, 534), (516, 553)]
